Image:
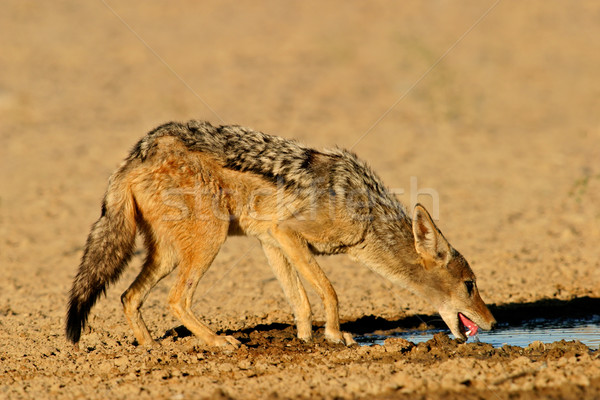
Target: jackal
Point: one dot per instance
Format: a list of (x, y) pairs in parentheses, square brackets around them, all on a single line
[(187, 186)]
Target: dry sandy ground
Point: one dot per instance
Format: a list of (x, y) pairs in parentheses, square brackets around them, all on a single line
[(505, 129)]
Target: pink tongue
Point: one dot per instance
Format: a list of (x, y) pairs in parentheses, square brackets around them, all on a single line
[(471, 327)]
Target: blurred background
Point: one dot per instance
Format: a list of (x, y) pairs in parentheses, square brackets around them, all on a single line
[(492, 105)]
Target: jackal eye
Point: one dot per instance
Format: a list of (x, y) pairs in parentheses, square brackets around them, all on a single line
[(470, 285)]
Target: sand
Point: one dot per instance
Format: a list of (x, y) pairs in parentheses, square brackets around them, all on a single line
[(491, 122)]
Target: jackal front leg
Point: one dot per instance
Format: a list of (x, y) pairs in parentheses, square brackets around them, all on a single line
[(293, 289), (299, 255)]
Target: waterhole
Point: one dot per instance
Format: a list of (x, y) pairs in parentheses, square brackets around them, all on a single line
[(586, 330)]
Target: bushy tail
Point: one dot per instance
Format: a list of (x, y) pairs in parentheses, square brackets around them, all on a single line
[(107, 251)]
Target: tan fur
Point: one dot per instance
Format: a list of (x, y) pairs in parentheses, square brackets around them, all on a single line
[(193, 184)]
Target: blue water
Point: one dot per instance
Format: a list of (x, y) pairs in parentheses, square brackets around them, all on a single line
[(586, 330)]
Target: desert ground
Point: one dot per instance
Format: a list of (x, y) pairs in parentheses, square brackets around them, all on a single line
[(486, 112)]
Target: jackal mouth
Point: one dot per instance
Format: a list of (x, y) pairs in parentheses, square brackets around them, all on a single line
[(466, 326)]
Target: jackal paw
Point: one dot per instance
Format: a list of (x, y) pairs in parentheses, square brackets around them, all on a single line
[(348, 340), (340, 337), (147, 343), (152, 344), (305, 335), (306, 338), (226, 341)]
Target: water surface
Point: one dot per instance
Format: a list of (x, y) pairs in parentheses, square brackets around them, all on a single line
[(586, 330)]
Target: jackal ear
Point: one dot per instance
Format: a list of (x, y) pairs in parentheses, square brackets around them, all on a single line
[(429, 241)]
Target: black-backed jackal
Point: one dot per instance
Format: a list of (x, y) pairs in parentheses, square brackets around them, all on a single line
[(187, 186)]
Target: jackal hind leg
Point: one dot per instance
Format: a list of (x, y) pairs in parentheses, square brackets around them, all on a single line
[(293, 289), (297, 252), (159, 263), (196, 258)]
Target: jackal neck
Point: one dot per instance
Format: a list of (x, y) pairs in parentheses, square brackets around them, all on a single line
[(389, 248)]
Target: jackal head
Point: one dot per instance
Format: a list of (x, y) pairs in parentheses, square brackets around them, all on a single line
[(447, 280)]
